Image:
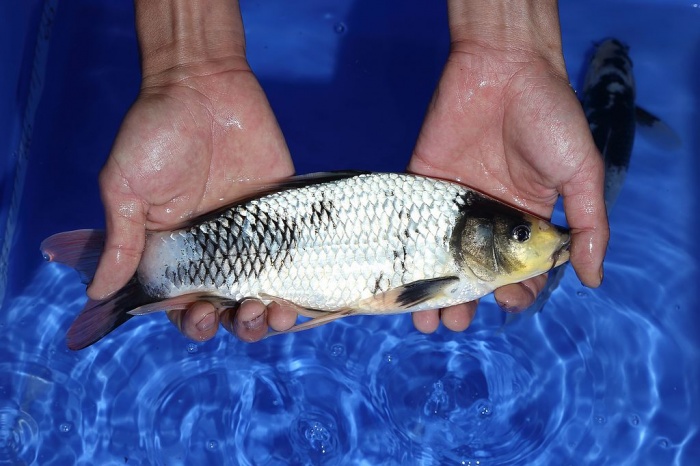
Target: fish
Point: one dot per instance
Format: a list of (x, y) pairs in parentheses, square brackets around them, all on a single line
[(609, 103), (331, 245)]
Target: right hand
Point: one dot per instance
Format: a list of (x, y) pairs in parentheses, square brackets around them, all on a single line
[(194, 140)]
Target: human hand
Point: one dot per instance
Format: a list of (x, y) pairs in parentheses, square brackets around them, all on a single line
[(200, 135), (506, 122)]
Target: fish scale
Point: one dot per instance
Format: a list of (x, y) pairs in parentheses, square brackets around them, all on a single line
[(318, 247)]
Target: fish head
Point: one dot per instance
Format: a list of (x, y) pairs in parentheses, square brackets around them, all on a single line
[(611, 65), (501, 245)]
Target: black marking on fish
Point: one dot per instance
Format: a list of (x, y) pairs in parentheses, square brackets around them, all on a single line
[(242, 241), (399, 265), (323, 213), (378, 284), (420, 291)]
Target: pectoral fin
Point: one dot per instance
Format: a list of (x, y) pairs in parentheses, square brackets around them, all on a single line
[(396, 300), (656, 130), (405, 297)]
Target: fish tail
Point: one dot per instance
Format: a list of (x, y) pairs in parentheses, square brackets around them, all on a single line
[(98, 318), (81, 250)]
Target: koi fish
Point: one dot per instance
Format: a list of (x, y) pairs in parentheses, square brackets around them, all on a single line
[(333, 245)]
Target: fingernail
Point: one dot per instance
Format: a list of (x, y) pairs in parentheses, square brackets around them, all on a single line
[(206, 323), (601, 274), (255, 323), (509, 309)]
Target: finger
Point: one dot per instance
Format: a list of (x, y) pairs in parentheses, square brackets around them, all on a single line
[(249, 322), (426, 321), (125, 217), (199, 323), (584, 206), (519, 296), (281, 317), (458, 318)]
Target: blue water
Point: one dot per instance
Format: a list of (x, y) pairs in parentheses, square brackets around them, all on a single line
[(606, 377)]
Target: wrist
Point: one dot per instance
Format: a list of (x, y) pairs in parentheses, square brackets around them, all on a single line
[(522, 30), (181, 38)]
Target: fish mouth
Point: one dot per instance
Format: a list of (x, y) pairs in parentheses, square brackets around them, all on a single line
[(561, 255)]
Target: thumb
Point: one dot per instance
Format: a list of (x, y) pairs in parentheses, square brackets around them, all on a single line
[(125, 216), (586, 214)]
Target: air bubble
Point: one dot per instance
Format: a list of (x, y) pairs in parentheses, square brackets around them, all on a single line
[(337, 350), (339, 28), (438, 401), (212, 445), (192, 348), (634, 420), (315, 436), (600, 420), (484, 410), (65, 427), (318, 436)]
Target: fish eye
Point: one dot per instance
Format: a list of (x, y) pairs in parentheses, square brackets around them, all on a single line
[(521, 233)]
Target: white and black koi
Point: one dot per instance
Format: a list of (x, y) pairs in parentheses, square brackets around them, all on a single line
[(332, 245)]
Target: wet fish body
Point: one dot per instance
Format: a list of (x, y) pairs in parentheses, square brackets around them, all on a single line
[(291, 244), (335, 245)]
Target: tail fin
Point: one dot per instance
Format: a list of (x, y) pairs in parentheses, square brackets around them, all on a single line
[(99, 318), (81, 250)]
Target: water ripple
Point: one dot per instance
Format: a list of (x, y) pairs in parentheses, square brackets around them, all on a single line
[(18, 434)]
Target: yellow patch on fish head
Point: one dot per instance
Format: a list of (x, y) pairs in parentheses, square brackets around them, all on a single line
[(533, 246), (502, 245)]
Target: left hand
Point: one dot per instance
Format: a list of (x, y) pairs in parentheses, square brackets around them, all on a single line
[(509, 125)]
